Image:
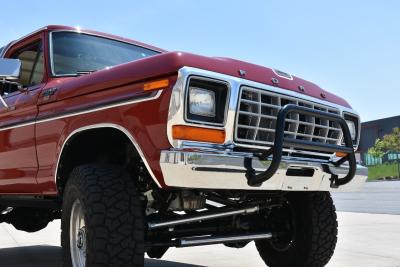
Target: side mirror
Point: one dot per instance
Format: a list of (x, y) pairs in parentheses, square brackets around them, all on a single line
[(10, 69)]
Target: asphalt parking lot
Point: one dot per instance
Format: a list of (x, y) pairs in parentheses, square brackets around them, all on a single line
[(369, 235)]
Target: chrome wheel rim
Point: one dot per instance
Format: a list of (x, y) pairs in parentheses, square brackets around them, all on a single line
[(77, 230)]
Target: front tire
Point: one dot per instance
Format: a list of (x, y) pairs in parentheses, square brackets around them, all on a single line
[(102, 219), (306, 229)]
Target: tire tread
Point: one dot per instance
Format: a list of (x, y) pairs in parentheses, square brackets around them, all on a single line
[(115, 218)]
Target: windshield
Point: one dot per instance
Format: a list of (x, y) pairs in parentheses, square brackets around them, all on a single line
[(74, 53)]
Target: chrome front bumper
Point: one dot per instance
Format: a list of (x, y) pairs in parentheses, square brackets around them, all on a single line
[(225, 170)]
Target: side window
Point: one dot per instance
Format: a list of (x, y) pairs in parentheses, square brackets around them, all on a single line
[(32, 61)]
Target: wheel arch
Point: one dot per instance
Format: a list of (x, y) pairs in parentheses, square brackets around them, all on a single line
[(59, 179)]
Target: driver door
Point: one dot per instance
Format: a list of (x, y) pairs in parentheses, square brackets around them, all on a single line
[(18, 159)]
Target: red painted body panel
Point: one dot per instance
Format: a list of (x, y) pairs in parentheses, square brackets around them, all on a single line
[(170, 62), (18, 163), (145, 121), (254, 73), (29, 153)]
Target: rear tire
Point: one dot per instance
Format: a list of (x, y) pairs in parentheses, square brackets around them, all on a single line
[(313, 232), (102, 219)]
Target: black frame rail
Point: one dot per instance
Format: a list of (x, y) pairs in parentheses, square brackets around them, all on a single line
[(254, 179)]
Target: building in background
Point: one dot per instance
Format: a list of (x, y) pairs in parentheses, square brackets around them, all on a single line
[(370, 131)]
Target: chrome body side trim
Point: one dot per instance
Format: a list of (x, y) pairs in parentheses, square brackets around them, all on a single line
[(134, 101), (225, 170), (107, 125), (106, 106)]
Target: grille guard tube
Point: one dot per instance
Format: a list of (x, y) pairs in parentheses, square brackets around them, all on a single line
[(254, 179)]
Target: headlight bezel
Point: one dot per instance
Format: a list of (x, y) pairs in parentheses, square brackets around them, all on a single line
[(222, 93), (357, 123)]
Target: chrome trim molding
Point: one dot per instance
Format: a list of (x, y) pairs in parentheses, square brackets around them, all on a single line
[(186, 104), (20, 39), (225, 170), (177, 106), (107, 125), (134, 101), (5, 49), (50, 40), (157, 95), (266, 123), (276, 72), (359, 127)]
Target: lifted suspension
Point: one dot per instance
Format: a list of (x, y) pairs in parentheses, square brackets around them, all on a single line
[(210, 216)]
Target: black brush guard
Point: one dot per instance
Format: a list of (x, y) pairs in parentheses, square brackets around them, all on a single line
[(254, 179)]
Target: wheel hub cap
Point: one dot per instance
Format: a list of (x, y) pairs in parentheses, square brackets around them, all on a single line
[(77, 235), (81, 242)]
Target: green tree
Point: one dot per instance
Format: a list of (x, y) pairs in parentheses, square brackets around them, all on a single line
[(389, 143)]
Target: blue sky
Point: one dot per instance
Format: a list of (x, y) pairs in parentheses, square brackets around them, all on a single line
[(350, 48)]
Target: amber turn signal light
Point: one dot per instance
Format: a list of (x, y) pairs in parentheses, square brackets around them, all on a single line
[(198, 134), (341, 154), (156, 85)]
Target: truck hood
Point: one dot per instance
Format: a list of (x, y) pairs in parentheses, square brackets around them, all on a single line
[(170, 62)]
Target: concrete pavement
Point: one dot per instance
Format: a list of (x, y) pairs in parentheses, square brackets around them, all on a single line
[(364, 240), (376, 197)]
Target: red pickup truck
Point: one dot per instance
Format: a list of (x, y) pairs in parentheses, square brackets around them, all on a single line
[(138, 149)]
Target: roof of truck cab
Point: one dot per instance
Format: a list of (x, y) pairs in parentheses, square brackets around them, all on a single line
[(52, 28)]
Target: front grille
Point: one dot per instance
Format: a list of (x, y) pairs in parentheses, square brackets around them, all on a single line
[(257, 113)]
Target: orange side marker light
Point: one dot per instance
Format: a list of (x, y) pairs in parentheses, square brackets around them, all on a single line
[(341, 154), (198, 134), (156, 85)]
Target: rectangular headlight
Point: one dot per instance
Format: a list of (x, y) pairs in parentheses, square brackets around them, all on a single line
[(353, 122), (206, 101), (201, 102), (352, 128)]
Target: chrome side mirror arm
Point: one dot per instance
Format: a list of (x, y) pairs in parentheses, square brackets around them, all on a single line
[(18, 85), (3, 81), (3, 102), (10, 70)]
